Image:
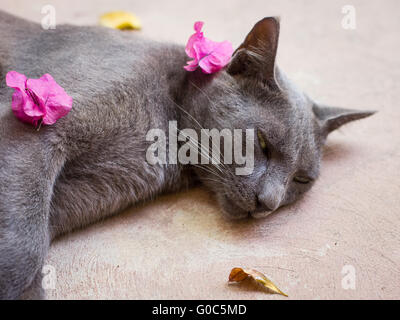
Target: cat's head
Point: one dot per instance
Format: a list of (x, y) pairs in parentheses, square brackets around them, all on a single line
[(290, 129)]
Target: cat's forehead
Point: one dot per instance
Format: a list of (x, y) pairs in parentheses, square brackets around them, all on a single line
[(282, 114), (287, 121), (284, 111)]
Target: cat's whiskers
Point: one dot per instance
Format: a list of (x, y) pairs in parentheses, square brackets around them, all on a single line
[(199, 125), (211, 102), (205, 153), (221, 183), (213, 180), (209, 170)]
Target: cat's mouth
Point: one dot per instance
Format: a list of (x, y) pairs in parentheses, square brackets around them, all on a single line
[(233, 211), (261, 214)]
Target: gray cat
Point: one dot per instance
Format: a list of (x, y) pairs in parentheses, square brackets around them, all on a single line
[(91, 163)]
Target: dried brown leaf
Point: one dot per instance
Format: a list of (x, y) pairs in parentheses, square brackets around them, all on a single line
[(239, 274)]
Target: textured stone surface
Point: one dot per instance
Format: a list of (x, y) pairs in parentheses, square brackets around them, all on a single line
[(180, 247)]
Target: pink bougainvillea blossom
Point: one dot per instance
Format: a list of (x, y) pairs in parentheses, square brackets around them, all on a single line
[(209, 55), (38, 101)]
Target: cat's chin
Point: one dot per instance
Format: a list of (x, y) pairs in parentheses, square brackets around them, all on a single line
[(240, 214), (235, 215), (234, 212), (230, 210), (261, 215)]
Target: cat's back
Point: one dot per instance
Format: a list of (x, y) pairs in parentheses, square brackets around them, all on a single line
[(82, 58), (101, 68), (87, 58)]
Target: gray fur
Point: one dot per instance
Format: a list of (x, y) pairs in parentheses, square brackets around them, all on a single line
[(91, 164)]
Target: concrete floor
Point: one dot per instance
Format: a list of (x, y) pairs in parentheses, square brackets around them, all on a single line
[(179, 247)]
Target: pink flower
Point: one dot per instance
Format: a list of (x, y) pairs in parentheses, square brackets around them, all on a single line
[(38, 101), (210, 56)]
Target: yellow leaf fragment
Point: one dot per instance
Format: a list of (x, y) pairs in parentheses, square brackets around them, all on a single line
[(239, 274), (120, 20)]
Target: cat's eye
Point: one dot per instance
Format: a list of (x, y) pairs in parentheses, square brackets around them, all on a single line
[(263, 143), (302, 180)]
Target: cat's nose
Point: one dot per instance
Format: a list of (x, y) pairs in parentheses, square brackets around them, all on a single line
[(261, 206), (269, 200), (266, 204)]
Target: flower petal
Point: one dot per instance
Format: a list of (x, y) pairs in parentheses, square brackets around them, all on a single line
[(31, 109), (38, 99), (39, 87), (58, 103), (194, 38), (191, 65), (211, 56), (223, 51), (57, 94), (19, 101), (198, 25), (55, 112), (207, 66), (16, 80)]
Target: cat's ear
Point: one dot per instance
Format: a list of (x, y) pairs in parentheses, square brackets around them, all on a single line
[(256, 56), (331, 118)]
